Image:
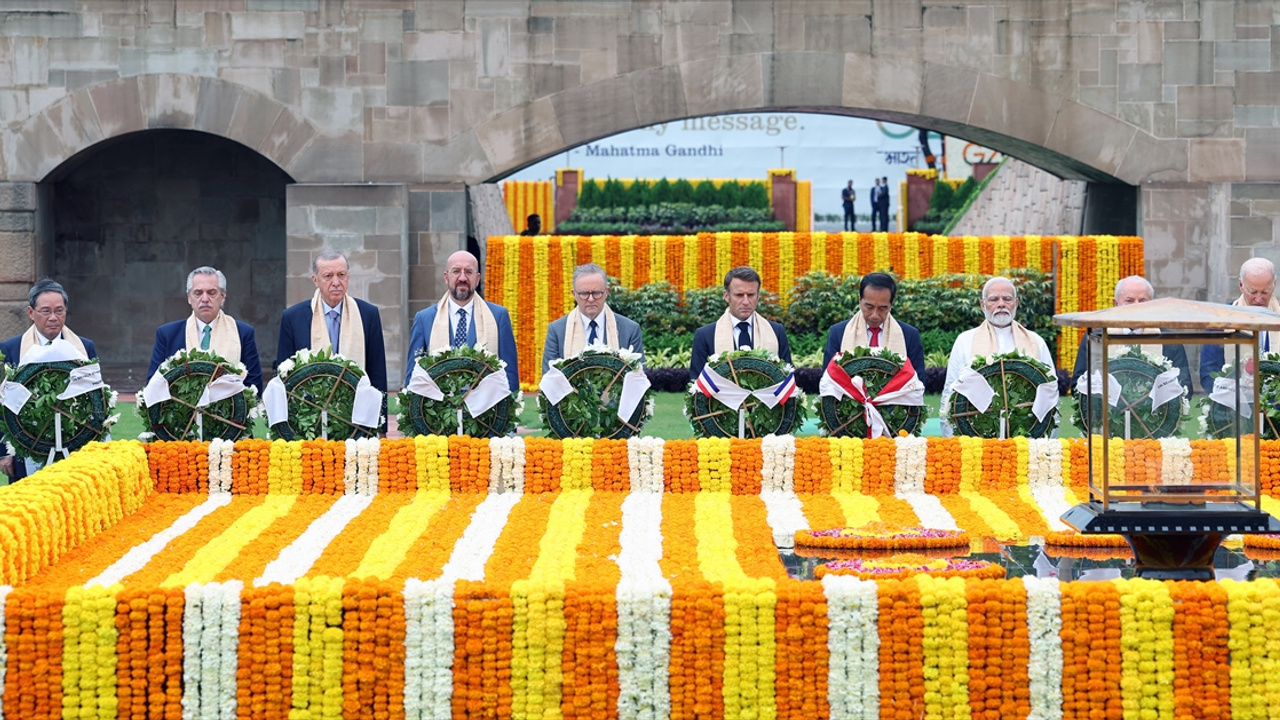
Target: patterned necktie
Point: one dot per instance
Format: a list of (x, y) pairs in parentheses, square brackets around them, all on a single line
[(335, 328), (204, 340), (744, 337), (460, 334), (875, 337), (591, 339)]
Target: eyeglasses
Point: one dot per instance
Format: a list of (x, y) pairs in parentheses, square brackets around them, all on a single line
[(590, 294), (54, 312), (463, 272)]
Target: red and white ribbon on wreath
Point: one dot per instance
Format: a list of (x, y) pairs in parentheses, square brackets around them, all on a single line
[(904, 388)]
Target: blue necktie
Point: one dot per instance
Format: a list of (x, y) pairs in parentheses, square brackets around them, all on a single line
[(592, 339), (744, 337), (460, 335), (335, 328)]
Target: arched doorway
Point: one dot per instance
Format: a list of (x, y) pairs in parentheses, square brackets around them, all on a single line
[(127, 219)]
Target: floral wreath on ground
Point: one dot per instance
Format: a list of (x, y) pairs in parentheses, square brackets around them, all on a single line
[(189, 372), (597, 375), (456, 371), (908, 565), (84, 418), (1018, 377), (846, 417), (1218, 420), (321, 386), (1135, 371), (882, 536), (756, 371)]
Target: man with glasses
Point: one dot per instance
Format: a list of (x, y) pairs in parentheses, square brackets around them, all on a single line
[(999, 333), (333, 319), (1257, 289), (458, 319), (592, 322), (208, 328), (47, 310), (1131, 291), (741, 327)]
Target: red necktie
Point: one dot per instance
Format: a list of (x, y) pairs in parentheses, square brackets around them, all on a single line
[(875, 337)]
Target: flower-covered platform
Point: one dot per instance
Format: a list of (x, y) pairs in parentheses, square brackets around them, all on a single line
[(454, 577)]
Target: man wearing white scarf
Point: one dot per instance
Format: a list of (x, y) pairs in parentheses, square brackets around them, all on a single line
[(592, 322), (1129, 291), (208, 328), (47, 309), (874, 325), (741, 327), (333, 319), (1257, 289), (1000, 333), (462, 317)]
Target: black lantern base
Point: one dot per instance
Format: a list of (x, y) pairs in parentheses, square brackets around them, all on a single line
[(1171, 541)]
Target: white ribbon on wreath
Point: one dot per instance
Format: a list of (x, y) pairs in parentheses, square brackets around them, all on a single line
[(555, 386)]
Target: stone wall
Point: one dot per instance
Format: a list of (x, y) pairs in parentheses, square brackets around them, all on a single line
[(438, 228), (1025, 200), (133, 219), (370, 224), (17, 254)]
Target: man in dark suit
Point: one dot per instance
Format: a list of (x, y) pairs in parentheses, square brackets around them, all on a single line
[(47, 309), (874, 325), (334, 319), (208, 328), (1257, 289), (882, 205), (847, 196), (1131, 290), (462, 317), (741, 327), (591, 322)]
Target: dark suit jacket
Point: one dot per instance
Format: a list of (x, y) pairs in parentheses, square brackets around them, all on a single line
[(704, 346), (421, 334), (12, 348), (628, 336), (910, 336), (172, 338), (1177, 355), (295, 334)]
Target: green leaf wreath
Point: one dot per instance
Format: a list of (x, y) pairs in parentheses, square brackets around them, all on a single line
[(320, 384), (1136, 373), (752, 370), (596, 374), (456, 370), (1218, 421), (189, 371), (845, 417), (85, 418), (1014, 377)]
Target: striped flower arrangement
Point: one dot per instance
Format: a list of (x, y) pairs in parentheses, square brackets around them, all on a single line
[(451, 577), (533, 276), (530, 197)]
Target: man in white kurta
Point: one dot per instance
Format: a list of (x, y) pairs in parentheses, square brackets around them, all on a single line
[(1000, 333)]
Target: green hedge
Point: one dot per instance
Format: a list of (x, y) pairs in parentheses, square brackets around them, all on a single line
[(614, 194), (668, 219)]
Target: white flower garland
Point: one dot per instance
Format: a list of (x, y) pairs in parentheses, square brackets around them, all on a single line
[(140, 555), (476, 544), (210, 637), (506, 464), (349, 467), (1044, 479), (1044, 666), (295, 560), (643, 645), (428, 640), (220, 452), (778, 468), (4, 653), (853, 641), (367, 450), (1175, 461), (908, 484), (644, 457)]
